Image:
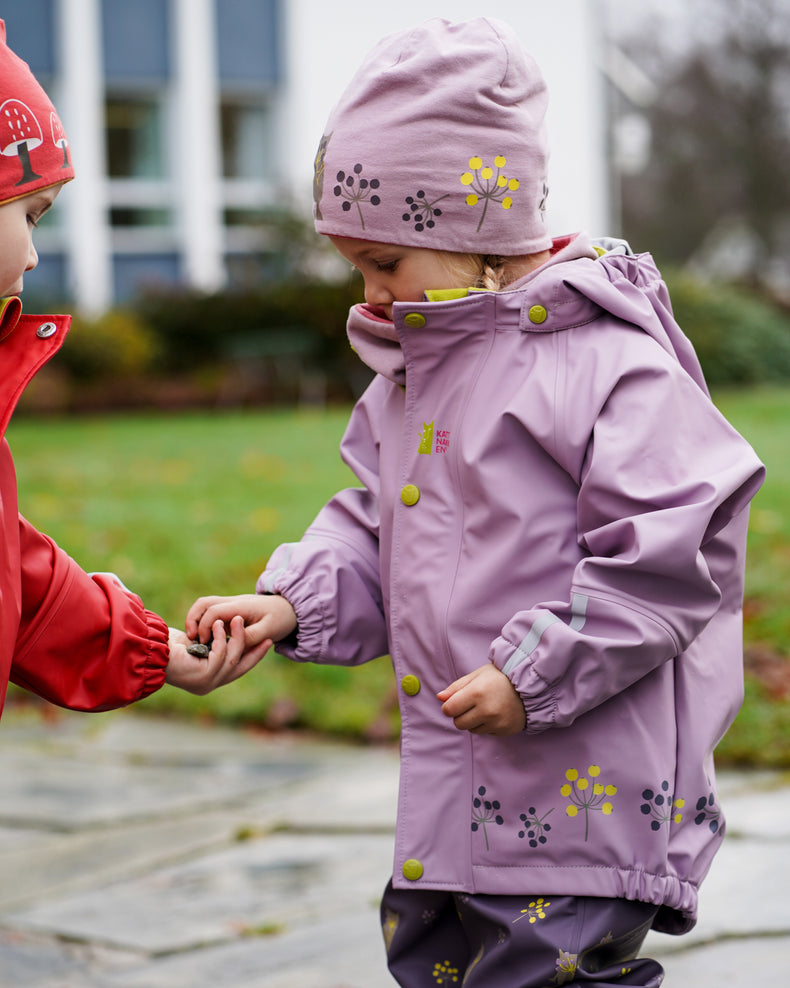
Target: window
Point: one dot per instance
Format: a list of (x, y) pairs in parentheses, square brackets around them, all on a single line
[(248, 42), (135, 41), (46, 284), (246, 136), (130, 216), (135, 273), (134, 137), (30, 30)]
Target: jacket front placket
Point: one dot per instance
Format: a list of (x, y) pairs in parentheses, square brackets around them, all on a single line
[(445, 347)]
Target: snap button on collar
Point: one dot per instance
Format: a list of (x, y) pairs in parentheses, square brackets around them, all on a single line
[(537, 314), (45, 330)]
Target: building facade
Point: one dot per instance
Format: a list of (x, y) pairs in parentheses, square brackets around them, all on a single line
[(169, 106), (190, 120)]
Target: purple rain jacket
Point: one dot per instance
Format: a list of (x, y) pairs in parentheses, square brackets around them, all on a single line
[(548, 487)]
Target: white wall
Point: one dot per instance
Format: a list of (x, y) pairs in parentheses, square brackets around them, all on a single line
[(326, 41)]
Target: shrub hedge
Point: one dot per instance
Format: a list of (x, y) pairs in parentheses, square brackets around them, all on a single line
[(285, 342), (740, 337)]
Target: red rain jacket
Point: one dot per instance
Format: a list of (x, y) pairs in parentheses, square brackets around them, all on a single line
[(80, 641)]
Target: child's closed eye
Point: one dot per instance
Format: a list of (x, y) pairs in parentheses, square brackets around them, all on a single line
[(389, 266), (36, 214)]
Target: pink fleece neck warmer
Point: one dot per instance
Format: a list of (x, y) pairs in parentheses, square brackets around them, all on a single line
[(439, 141), (34, 150)]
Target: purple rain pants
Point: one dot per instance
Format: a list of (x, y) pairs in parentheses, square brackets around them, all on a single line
[(437, 939)]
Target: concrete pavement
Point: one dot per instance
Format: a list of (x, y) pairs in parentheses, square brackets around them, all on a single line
[(147, 853)]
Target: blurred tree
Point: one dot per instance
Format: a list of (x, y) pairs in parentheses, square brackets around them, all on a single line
[(718, 175)]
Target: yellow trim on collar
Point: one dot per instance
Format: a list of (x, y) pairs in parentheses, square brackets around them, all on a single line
[(445, 294)]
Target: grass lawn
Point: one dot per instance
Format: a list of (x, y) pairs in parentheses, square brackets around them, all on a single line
[(761, 733), (192, 504), (186, 505)]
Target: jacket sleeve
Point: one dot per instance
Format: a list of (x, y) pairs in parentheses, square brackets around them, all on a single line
[(331, 577), (664, 487), (84, 642)]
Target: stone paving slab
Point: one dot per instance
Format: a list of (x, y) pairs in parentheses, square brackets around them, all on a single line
[(750, 962), (139, 853), (65, 790), (346, 951), (745, 894), (30, 961), (279, 882), (38, 866)]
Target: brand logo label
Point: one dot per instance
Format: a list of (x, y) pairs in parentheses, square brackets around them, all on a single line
[(433, 440)]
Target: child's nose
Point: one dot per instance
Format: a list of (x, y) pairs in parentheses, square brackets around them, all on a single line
[(376, 293), (32, 258)]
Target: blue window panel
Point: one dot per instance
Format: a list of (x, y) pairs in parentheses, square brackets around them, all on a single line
[(136, 41), (135, 273), (248, 41), (45, 285), (30, 31)]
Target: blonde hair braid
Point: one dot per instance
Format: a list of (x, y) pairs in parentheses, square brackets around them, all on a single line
[(492, 275)]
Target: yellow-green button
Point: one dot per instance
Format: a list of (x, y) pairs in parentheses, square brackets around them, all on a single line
[(414, 319), (537, 314), (410, 685), (410, 494), (412, 869)]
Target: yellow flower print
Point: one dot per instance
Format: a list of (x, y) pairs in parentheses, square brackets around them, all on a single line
[(445, 974), (488, 185), (535, 910), (389, 927), (586, 796), (565, 966)]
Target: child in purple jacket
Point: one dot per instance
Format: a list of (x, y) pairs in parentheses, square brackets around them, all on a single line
[(548, 538)]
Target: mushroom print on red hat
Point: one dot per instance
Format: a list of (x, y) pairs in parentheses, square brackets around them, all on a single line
[(34, 149)]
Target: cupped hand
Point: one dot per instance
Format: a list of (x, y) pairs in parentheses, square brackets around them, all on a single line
[(484, 702), (228, 659)]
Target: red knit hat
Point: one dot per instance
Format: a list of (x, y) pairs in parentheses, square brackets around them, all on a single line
[(34, 150)]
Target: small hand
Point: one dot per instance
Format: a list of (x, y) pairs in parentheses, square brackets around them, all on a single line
[(229, 659), (266, 617), (484, 702)]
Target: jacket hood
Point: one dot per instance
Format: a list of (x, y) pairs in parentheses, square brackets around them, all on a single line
[(629, 287), (583, 280)]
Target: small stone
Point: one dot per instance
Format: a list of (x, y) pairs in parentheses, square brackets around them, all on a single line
[(199, 649)]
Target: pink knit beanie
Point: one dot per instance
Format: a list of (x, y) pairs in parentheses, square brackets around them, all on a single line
[(34, 151), (439, 141)]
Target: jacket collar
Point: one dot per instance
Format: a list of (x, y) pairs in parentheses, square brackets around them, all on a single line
[(27, 342)]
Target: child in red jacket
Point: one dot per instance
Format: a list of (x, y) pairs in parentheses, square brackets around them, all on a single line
[(80, 641)]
